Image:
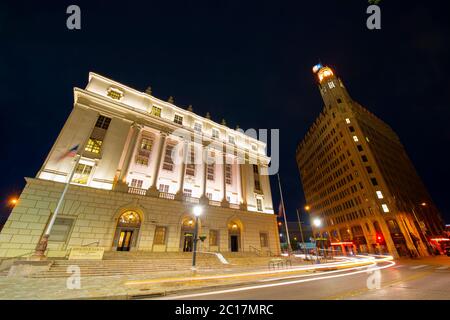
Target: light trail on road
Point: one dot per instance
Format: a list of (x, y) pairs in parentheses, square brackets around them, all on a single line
[(370, 268)]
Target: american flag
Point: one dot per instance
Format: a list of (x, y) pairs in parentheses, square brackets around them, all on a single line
[(70, 153), (280, 210)]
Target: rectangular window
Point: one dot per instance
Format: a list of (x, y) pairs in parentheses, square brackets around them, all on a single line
[(82, 173), (351, 129), (355, 138), (369, 169), (178, 119), (160, 235), (103, 122), (210, 167), (93, 145), (168, 161), (347, 120), (364, 158), (163, 188), (360, 148), (228, 177), (374, 181), (213, 238), (231, 140), (61, 229), (209, 195), (197, 127), (187, 192), (379, 195), (259, 206), (385, 207), (190, 166), (215, 133), (264, 240), (156, 111), (136, 183), (145, 149)]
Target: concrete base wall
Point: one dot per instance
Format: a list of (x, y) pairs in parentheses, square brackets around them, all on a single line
[(96, 212)]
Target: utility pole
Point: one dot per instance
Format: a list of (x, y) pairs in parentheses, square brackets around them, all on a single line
[(301, 232), (284, 215)]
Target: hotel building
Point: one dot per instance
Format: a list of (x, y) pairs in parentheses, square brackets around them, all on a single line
[(140, 173), (359, 182)]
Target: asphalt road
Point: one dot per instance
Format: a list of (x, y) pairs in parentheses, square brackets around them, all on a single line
[(405, 280)]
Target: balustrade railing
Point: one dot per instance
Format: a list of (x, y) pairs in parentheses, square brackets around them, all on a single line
[(139, 191)]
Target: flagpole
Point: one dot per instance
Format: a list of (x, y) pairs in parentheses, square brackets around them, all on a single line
[(284, 215)]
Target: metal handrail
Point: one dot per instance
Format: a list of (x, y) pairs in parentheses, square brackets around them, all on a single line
[(88, 244)]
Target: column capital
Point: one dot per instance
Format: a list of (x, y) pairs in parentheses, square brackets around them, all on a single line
[(137, 126)]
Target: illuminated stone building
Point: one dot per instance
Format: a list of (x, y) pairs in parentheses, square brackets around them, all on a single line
[(132, 191), (359, 181)]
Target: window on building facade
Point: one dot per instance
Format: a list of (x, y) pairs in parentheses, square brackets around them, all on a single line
[(61, 229), (254, 147), (374, 181), (82, 173), (160, 235), (231, 140), (168, 161), (93, 145), (360, 148), (210, 167), (156, 111), (259, 205), (256, 178), (163, 188), (379, 195), (187, 192), (385, 207), (215, 133), (264, 239), (331, 85), (190, 166), (364, 158), (145, 149), (114, 93), (369, 169), (213, 238), (198, 127), (228, 172), (347, 120), (178, 119), (355, 138), (209, 195), (136, 183), (339, 100), (351, 129), (103, 122)]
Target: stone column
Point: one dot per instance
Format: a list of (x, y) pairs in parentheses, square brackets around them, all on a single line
[(153, 190), (121, 184), (225, 202), (186, 155)]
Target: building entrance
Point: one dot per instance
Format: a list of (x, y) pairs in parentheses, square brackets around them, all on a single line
[(188, 243), (124, 243), (234, 243)]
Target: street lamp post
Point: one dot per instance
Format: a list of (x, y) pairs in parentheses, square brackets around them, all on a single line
[(317, 223), (301, 232), (197, 213)]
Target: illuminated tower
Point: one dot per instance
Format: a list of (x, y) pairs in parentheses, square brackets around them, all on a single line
[(359, 181)]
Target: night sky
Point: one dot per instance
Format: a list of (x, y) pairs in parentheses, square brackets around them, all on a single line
[(248, 63)]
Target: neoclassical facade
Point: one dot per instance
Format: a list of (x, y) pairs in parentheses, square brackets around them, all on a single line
[(144, 163)]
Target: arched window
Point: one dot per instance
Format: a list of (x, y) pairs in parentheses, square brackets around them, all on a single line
[(129, 219)]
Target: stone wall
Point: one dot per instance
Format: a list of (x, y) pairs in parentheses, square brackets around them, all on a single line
[(96, 212)]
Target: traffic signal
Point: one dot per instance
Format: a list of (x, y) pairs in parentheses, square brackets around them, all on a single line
[(380, 238)]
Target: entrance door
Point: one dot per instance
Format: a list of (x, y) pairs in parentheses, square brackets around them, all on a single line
[(124, 243), (188, 243), (234, 243)]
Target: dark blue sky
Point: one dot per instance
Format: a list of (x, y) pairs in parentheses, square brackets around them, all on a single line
[(248, 63)]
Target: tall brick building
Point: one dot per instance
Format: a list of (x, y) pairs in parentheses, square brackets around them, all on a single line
[(359, 181)]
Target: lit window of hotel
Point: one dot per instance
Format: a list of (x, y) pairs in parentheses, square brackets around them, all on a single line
[(93, 145), (178, 119), (347, 120), (156, 111), (379, 195), (198, 127), (385, 208), (82, 173), (215, 133), (168, 161), (143, 154), (355, 138)]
